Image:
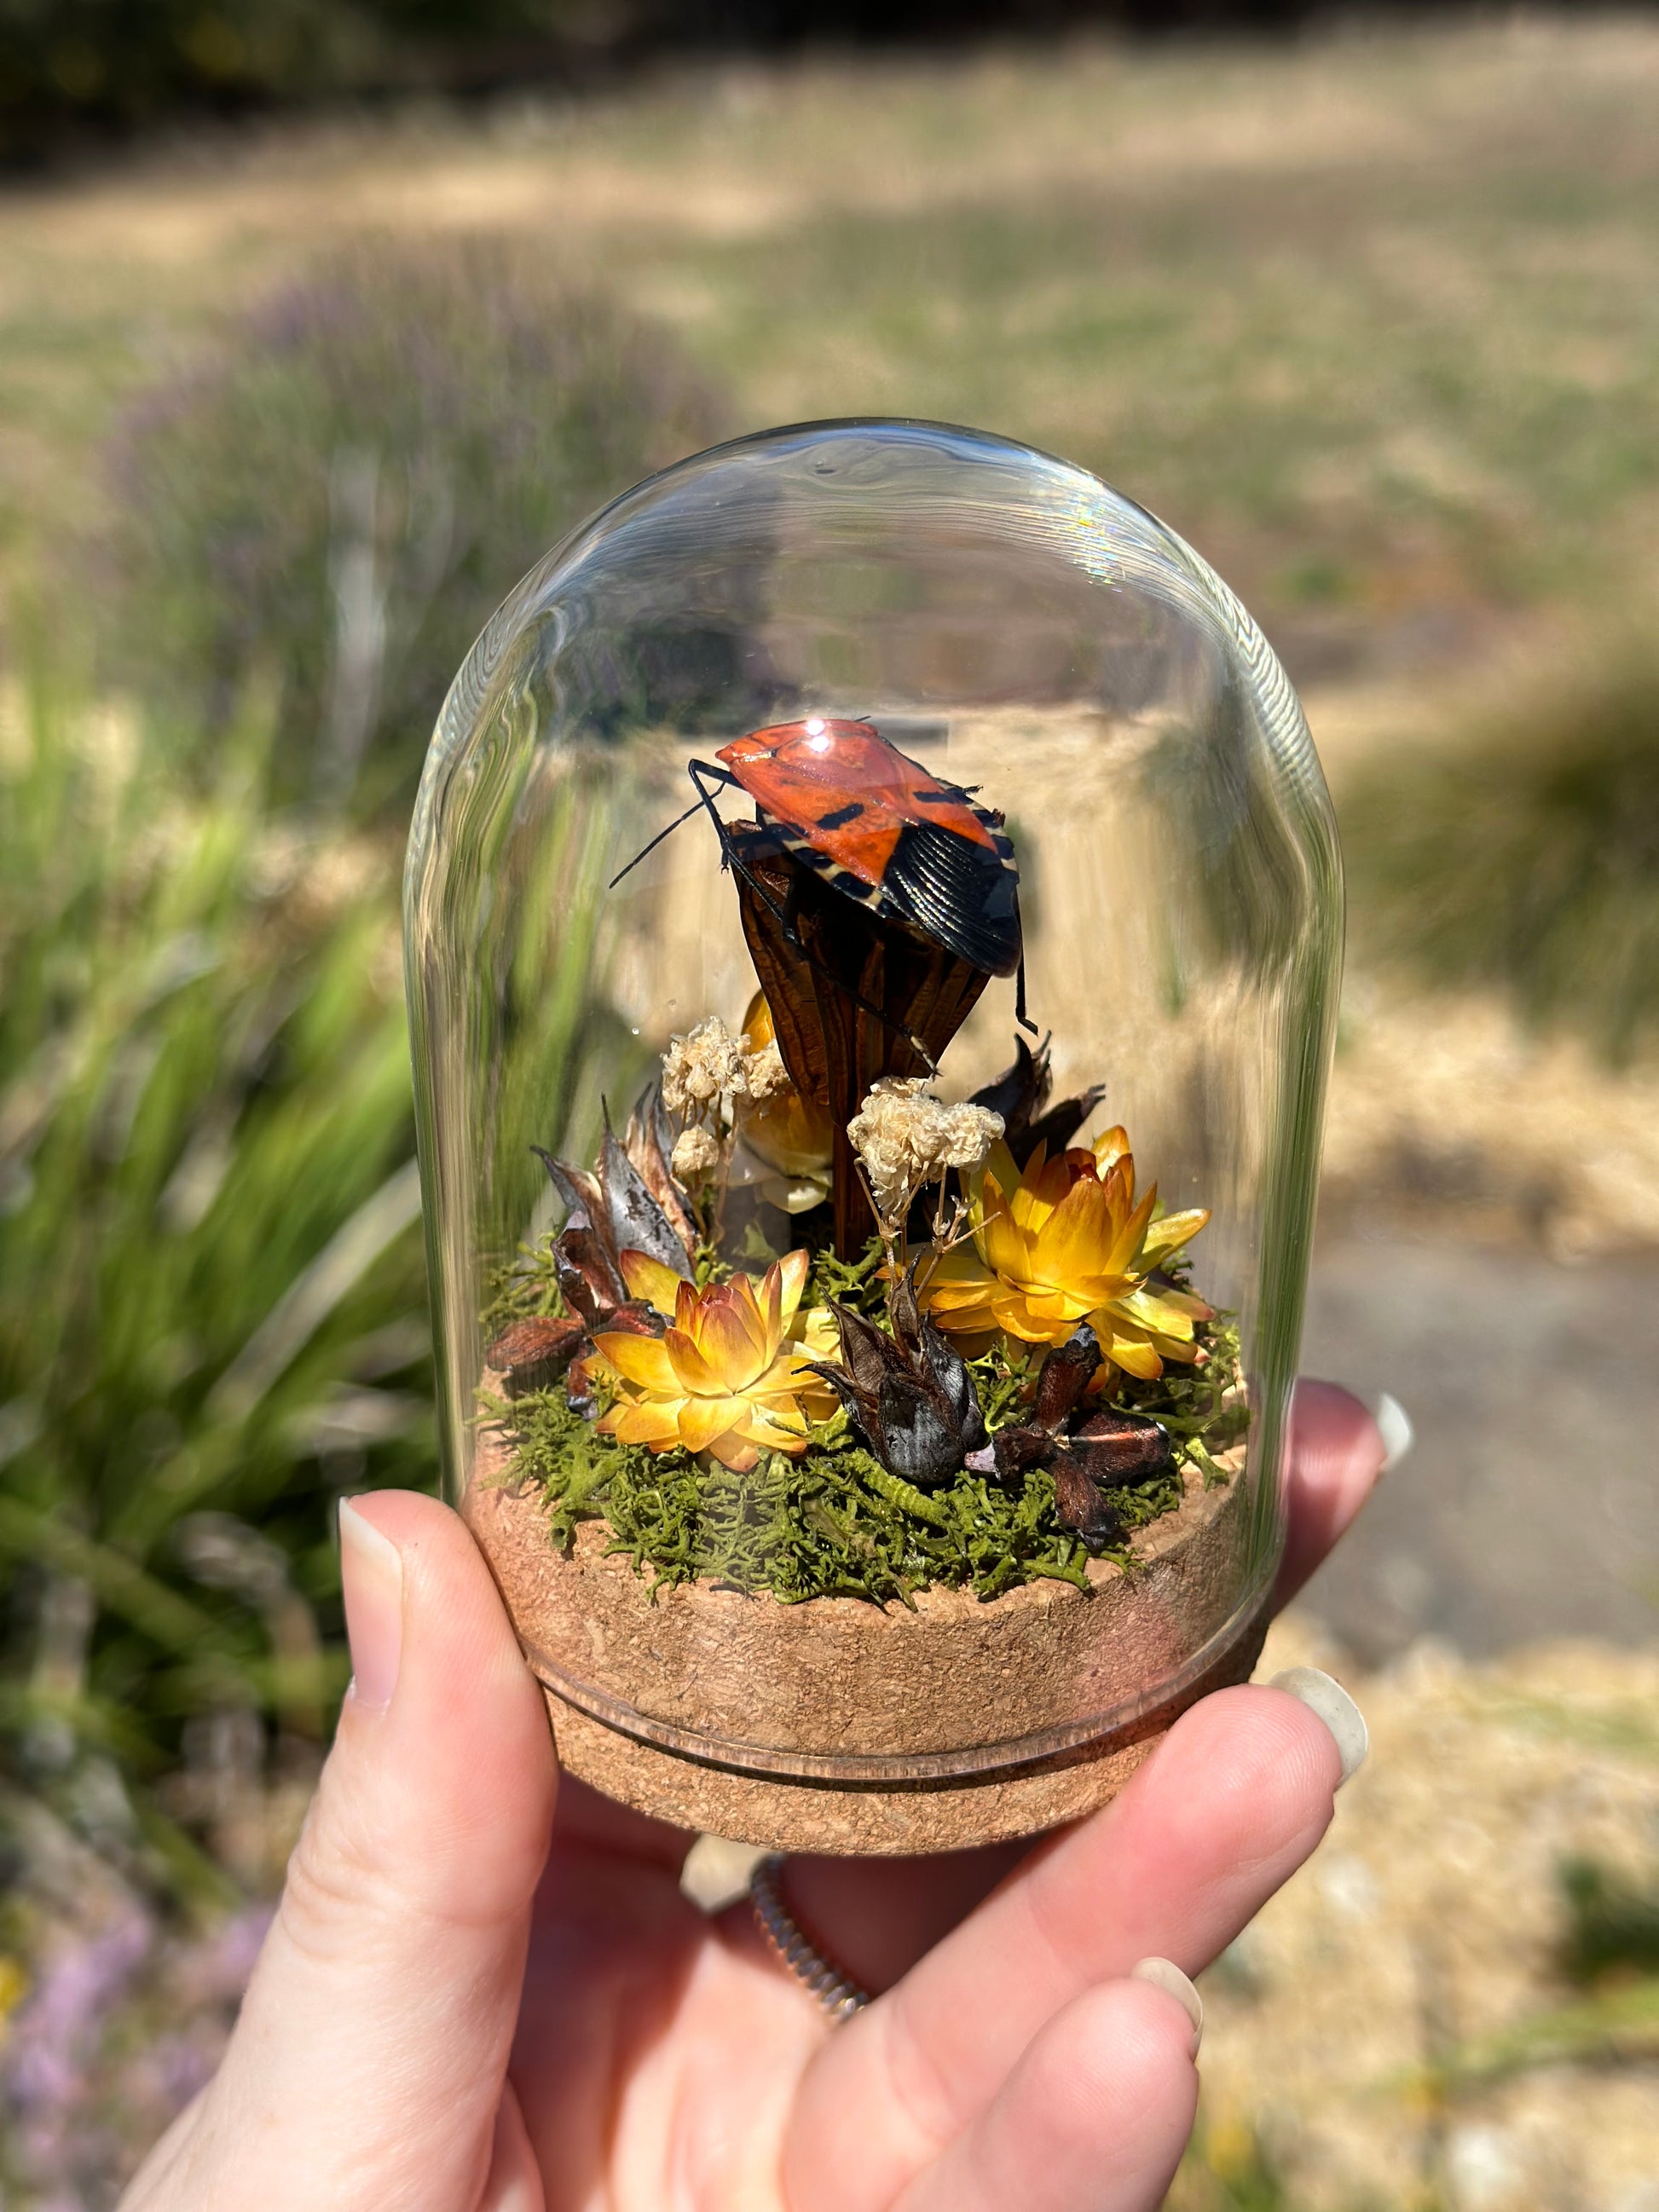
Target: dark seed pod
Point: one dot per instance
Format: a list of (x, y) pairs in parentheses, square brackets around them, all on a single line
[(910, 1394), (1020, 1095), (1108, 1450), (1116, 1448), (530, 1354), (1079, 1504), (1067, 1373)]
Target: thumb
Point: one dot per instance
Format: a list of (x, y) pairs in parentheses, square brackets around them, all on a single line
[(367, 2067)]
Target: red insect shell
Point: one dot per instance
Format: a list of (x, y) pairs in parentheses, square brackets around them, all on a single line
[(878, 828)]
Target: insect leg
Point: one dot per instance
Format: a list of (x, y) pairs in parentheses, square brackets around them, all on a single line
[(720, 777), (1020, 1014)]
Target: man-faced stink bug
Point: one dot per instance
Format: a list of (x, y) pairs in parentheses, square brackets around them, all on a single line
[(872, 824), (878, 828), (876, 901)]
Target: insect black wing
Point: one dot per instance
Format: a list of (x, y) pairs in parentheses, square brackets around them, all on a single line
[(965, 895)]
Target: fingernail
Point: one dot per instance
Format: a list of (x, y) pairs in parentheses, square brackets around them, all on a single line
[(1395, 1425), (1323, 1695), (1163, 1974), (372, 1572), (715, 1872)]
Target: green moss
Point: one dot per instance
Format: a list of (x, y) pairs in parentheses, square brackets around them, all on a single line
[(854, 1283), (836, 1523), (527, 1285), (1194, 1403)]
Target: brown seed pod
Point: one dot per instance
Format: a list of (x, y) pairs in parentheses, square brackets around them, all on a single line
[(1105, 1452), (1116, 1447), (909, 1394), (530, 1354)]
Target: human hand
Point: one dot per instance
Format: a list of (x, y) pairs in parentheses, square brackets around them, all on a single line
[(451, 2013)]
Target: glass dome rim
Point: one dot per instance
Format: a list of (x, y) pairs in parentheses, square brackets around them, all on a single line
[(518, 611), (1200, 570)]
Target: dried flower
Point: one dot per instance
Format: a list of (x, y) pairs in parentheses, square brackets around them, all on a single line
[(907, 1139), (726, 1378), (1067, 1242), (608, 1214), (765, 1074), (532, 1354), (788, 1132), (1105, 1449), (1020, 1094), (648, 1141), (706, 1068), (695, 1157)]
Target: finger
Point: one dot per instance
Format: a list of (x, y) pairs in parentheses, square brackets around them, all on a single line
[(1093, 2119), (372, 2048), (1233, 1802), (1336, 1453), (515, 2178)]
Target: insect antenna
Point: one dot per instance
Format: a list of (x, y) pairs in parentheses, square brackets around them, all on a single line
[(703, 800), (731, 858)]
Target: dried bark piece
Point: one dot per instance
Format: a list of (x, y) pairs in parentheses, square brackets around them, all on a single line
[(853, 996)]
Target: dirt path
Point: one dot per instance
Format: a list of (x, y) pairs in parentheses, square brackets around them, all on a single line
[(1529, 1508)]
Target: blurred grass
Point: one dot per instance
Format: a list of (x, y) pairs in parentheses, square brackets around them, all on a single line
[(335, 497), (1526, 857), (212, 1310), (1374, 320), (1613, 1921)]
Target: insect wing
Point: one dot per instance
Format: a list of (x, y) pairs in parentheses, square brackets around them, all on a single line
[(965, 895)]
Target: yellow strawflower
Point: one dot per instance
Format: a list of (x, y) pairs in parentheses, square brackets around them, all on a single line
[(1065, 1243), (727, 1378)]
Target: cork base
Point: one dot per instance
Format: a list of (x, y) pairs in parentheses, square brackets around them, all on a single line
[(841, 1726), (784, 1815)]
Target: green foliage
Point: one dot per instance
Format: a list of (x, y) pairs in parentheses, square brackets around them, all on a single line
[(131, 62), (338, 498), (1228, 2168), (527, 1286), (1613, 1923), (834, 1523), (853, 1283), (1528, 859), (212, 1304), (1615, 2026), (1194, 1403)]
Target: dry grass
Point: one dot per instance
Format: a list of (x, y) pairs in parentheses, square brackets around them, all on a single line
[(1375, 2038), (1373, 320)]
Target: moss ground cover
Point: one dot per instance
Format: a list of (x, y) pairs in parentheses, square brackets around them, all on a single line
[(835, 1522)]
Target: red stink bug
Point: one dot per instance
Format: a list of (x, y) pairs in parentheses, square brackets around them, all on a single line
[(877, 826), (873, 825)]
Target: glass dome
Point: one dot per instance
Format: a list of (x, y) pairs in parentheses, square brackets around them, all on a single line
[(869, 1220)]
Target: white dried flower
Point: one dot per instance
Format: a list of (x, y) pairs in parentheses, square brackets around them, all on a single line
[(765, 1073), (704, 1068), (695, 1157), (906, 1138)]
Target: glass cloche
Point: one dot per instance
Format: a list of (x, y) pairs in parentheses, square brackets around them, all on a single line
[(873, 922)]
